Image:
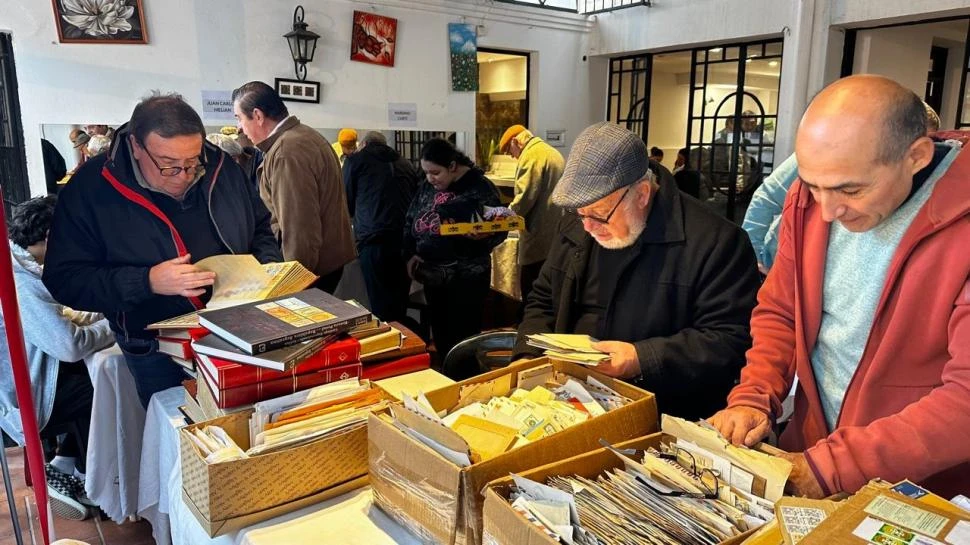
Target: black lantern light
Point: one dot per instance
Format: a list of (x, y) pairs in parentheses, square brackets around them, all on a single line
[(303, 43)]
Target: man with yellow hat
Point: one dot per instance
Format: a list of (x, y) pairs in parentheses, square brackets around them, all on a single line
[(346, 144), (539, 168)]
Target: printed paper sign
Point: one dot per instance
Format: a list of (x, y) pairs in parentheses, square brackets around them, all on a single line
[(217, 105), (402, 114)]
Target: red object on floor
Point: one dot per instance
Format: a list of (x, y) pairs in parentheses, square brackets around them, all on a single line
[(21, 378), (393, 368)]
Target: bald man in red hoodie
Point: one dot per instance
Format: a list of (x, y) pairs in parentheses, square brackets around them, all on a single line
[(868, 302)]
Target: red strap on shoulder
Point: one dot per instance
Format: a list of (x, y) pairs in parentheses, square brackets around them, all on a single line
[(140, 200)]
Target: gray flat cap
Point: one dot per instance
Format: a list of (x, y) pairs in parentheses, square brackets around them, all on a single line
[(604, 158)]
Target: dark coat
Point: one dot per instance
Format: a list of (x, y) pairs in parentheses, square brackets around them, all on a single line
[(103, 241), (684, 299), (380, 185)]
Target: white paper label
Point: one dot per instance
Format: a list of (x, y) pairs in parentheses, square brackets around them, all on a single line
[(883, 533), (907, 516)]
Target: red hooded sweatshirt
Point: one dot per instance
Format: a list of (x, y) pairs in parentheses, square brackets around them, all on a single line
[(906, 413)]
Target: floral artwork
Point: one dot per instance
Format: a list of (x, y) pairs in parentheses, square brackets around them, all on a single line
[(463, 42), (100, 21), (374, 39)]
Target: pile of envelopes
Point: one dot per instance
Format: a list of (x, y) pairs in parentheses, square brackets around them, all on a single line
[(295, 419), (694, 489), (568, 347), (501, 424)]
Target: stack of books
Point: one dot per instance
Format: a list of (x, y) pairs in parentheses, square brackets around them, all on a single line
[(278, 346), (401, 351)]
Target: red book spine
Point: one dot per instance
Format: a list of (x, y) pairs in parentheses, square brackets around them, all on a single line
[(231, 374), (393, 368), (261, 391)]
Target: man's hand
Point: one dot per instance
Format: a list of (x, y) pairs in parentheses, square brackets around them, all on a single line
[(623, 362), (179, 277), (413, 264), (742, 425), (802, 481)]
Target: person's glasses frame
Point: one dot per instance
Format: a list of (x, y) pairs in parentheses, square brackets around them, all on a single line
[(175, 171), (606, 220), (672, 452)]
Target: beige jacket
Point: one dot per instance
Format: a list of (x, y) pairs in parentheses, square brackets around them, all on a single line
[(301, 184), (539, 168)]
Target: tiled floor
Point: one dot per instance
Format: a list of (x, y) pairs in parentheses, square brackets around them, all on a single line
[(138, 533)]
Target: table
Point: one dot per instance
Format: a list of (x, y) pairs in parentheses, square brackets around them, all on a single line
[(350, 518), (114, 441)]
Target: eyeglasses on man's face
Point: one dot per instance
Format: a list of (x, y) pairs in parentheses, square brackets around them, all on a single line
[(191, 170), (609, 216)]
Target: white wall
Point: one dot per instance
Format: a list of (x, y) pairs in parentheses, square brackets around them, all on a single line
[(219, 44), (502, 76), (901, 53)]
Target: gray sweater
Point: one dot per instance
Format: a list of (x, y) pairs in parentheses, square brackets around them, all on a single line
[(52, 333)]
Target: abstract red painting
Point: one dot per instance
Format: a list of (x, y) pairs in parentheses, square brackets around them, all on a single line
[(374, 39)]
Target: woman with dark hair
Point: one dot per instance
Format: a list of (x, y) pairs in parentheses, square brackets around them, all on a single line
[(455, 270), (57, 339)]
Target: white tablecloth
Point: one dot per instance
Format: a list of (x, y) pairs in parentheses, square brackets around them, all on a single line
[(349, 519), (114, 442)]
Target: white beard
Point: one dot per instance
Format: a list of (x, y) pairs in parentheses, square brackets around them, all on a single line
[(636, 229)]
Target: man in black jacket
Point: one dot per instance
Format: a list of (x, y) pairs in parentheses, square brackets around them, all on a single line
[(667, 283), (132, 221), (380, 185)]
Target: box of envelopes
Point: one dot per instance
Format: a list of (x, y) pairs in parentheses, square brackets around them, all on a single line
[(430, 461), (320, 451), (667, 488)]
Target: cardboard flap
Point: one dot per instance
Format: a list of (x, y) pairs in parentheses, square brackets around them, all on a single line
[(437, 432)]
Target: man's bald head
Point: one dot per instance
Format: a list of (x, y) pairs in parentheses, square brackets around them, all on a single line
[(870, 111), (859, 145)]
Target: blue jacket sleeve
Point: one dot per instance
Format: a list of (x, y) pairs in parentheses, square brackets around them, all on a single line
[(765, 207)]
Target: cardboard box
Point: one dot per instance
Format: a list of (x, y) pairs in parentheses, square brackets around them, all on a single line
[(503, 526), (885, 516), (441, 502), (229, 495)]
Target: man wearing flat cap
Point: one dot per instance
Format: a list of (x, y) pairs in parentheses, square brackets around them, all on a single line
[(539, 168), (667, 285)]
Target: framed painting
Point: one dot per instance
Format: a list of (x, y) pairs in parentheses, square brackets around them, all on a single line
[(294, 90), (374, 39), (463, 45), (100, 21)]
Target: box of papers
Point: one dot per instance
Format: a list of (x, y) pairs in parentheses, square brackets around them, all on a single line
[(504, 525), (884, 514), (226, 495), (441, 501)]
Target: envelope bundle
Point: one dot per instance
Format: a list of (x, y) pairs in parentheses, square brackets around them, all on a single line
[(693, 489), (503, 423), (575, 348)]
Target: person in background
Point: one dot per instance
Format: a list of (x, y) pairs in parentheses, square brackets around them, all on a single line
[(97, 145), (538, 169), (100, 130), (300, 182), (380, 185), (656, 154), (345, 145), (688, 180), (455, 269), (132, 221), (867, 303), (54, 166), (80, 141), (227, 144), (57, 341), (763, 218), (667, 284)]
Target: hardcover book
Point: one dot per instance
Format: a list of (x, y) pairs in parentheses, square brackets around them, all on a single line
[(261, 391), (256, 328), (230, 373)]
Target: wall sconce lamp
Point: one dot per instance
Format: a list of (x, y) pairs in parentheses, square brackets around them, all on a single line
[(302, 42)]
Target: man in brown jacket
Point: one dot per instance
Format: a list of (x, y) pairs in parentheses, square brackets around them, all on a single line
[(300, 182)]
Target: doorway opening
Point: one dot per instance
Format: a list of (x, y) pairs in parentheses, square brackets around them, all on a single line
[(502, 101)]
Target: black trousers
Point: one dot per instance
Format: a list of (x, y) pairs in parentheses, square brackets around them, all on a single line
[(71, 414), (386, 279), (329, 281), (456, 314)]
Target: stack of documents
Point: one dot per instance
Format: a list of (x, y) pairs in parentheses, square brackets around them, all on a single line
[(695, 490), (573, 348), (485, 429), (312, 414)]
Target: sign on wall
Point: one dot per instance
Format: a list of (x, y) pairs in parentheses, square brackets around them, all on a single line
[(402, 114), (217, 105)]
